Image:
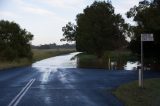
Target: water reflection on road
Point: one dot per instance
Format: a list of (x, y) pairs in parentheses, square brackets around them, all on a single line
[(50, 65), (131, 65)]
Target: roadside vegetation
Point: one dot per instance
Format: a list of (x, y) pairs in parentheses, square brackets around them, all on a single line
[(95, 33), (15, 42), (38, 54), (16, 49), (132, 95), (92, 61)]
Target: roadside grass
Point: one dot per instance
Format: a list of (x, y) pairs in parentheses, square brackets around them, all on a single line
[(15, 63), (132, 95), (91, 61), (38, 54)]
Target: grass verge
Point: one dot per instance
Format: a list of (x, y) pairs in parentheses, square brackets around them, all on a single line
[(132, 95), (37, 55)]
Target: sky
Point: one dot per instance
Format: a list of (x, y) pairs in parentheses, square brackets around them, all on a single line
[(45, 18)]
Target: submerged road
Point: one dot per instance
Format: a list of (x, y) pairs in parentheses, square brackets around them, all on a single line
[(57, 82)]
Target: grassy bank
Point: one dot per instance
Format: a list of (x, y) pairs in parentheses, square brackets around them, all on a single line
[(37, 55), (132, 95), (91, 61)]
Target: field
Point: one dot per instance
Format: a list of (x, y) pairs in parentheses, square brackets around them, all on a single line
[(38, 54)]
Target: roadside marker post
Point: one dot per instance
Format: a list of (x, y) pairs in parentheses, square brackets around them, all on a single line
[(109, 63), (144, 37)]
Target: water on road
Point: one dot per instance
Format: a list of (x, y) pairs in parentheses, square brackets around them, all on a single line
[(57, 82)]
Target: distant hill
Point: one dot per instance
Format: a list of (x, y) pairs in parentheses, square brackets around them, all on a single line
[(55, 46)]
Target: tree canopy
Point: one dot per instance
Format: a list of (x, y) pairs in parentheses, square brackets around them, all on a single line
[(97, 29), (147, 17), (14, 41)]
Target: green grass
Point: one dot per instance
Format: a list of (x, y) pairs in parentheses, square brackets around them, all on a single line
[(38, 54), (132, 95), (12, 64), (91, 61)]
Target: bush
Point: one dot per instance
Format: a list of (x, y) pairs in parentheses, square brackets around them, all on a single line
[(14, 41)]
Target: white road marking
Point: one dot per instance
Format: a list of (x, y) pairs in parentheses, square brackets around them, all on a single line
[(17, 99), (14, 99)]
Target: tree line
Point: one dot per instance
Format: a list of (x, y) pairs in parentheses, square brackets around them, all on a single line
[(55, 46), (99, 29)]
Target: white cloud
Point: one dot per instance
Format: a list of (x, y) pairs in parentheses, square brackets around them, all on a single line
[(63, 3), (39, 11), (45, 18), (7, 14), (124, 6)]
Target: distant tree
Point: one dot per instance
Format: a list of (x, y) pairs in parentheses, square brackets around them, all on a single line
[(98, 29), (54, 46), (147, 17), (69, 32), (14, 41)]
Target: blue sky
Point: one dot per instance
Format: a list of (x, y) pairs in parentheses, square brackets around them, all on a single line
[(45, 18)]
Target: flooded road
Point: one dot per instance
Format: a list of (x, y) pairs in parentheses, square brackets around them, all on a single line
[(64, 61), (57, 82)]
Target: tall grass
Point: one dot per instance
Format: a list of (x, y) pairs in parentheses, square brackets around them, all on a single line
[(15, 63), (91, 61), (38, 54)]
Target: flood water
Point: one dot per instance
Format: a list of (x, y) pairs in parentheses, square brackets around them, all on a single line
[(131, 65), (63, 61), (70, 61)]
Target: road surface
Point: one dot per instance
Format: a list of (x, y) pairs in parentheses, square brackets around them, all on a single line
[(57, 82)]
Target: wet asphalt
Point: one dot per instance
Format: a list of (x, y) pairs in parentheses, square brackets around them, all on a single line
[(59, 83)]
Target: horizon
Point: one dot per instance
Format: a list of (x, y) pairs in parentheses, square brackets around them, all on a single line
[(35, 15)]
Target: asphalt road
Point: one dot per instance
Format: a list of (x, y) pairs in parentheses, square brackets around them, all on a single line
[(56, 82)]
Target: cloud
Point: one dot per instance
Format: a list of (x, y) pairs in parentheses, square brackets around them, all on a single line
[(63, 3), (39, 11), (122, 6), (7, 14)]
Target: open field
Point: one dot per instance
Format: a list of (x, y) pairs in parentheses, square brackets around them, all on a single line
[(38, 54), (132, 95)]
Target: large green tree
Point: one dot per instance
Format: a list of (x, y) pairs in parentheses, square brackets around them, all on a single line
[(97, 29), (147, 18), (14, 41)]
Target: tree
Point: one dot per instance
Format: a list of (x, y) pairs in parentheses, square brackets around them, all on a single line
[(14, 41), (98, 29), (147, 17), (69, 32)]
